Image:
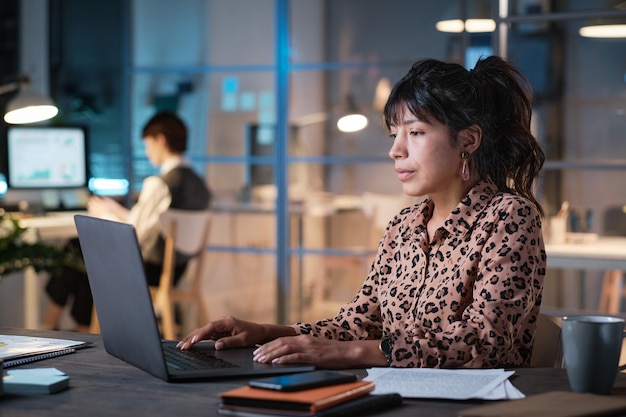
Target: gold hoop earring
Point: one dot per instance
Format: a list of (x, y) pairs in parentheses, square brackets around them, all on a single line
[(465, 174)]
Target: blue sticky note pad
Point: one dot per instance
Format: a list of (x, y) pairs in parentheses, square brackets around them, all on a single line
[(35, 381)]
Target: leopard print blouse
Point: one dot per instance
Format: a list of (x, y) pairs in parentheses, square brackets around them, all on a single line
[(468, 298)]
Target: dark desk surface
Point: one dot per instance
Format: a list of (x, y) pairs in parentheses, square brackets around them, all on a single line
[(101, 384)]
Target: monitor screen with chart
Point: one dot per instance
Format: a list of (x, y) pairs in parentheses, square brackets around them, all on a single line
[(45, 157)]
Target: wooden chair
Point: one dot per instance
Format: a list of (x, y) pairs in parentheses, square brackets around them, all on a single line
[(186, 232), (612, 292), (547, 350), (94, 327)]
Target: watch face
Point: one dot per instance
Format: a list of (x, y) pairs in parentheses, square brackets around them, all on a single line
[(386, 346)]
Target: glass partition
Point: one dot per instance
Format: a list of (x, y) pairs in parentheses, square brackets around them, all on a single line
[(228, 66)]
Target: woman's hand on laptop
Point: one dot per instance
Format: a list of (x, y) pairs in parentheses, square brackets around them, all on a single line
[(321, 352), (230, 332)]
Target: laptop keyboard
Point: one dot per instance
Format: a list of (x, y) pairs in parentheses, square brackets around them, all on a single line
[(190, 359)]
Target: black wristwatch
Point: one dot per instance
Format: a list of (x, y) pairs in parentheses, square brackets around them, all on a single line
[(386, 347)]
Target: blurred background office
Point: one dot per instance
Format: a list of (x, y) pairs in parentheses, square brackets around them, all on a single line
[(262, 83)]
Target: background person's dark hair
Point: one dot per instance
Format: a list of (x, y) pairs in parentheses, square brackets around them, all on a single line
[(495, 96), (171, 126)]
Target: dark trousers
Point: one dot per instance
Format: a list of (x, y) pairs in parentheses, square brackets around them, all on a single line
[(74, 282)]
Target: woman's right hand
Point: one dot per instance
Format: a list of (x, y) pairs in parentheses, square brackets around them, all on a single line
[(230, 332)]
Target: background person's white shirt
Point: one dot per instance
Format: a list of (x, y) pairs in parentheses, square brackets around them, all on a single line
[(154, 199)]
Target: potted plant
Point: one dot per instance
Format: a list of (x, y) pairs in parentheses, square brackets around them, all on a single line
[(17, 254)]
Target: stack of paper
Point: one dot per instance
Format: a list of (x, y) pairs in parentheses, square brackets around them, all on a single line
[(452, 384)]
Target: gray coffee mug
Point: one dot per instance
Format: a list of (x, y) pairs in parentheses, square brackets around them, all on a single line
[(591, 348)]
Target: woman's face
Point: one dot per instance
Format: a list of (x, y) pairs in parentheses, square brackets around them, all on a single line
[(425, 160)]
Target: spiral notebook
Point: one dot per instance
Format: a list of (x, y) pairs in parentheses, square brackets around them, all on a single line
[(17, 350)]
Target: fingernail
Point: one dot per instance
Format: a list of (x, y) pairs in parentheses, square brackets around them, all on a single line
[(219, 345), (193, 339)]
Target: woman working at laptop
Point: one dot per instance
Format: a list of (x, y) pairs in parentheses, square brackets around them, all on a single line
[(457, 279)]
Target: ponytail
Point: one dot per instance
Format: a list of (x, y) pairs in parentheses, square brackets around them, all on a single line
[(509, 154)]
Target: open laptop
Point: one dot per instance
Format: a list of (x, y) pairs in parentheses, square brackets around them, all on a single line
[(127, 321)]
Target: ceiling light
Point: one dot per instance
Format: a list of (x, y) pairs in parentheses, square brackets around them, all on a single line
[(603, 31), (470, 25), (610, 26), (470, 16)]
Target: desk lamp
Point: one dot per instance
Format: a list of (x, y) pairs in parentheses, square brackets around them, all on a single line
[(27, 106)]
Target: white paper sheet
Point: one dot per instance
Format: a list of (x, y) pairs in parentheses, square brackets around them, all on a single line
[(453, 384)]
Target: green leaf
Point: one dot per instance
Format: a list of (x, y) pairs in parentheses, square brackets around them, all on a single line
[(17, 254)]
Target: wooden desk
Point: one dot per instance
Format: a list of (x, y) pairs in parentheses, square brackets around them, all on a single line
[(607, 254), (101, 385)]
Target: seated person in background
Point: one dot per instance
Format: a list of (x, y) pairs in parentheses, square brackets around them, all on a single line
[(177, 186), (457, 279)]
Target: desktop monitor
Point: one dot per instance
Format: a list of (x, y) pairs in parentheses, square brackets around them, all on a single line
[(47, 157)]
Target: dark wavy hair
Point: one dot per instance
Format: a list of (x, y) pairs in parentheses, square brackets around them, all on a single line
[(169, 125), (495, 96)]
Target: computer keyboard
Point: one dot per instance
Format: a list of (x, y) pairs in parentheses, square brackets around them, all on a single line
[(193, 359)]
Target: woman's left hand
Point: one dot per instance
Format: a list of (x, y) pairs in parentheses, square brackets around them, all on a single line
[(321, 352)]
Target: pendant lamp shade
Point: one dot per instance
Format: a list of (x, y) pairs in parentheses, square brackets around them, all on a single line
[(28, 106), (351, 119)]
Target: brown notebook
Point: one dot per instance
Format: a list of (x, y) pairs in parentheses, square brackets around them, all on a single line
[(306, 401), (553, 404)]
